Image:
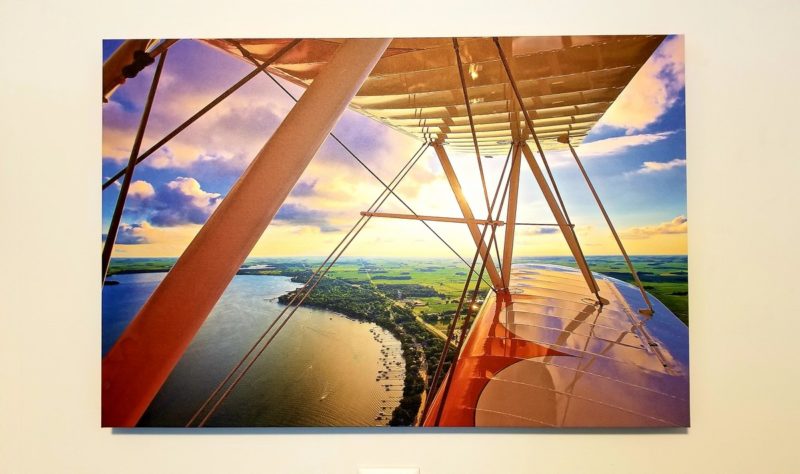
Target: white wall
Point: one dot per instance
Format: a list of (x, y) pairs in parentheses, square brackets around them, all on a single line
[(742, 86)]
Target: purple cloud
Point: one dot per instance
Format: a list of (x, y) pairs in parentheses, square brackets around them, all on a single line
[(131, 234), (297, 214), (304, 188), (541, 230), (181, 201)]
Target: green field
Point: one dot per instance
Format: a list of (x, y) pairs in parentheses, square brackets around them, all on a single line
[(396, 294), (139, 265), (664, 276), (432, 287)]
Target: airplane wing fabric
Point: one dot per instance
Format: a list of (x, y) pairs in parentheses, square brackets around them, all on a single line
[(567, 83)]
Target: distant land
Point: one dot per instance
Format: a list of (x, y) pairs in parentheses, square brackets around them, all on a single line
[(431, 287), (415, 299)]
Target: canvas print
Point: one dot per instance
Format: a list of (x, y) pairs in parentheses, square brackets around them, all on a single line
[(373, 232)]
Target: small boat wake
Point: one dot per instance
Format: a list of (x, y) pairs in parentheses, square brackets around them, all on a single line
[(326, 391)]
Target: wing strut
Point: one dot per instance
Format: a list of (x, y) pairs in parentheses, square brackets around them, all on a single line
[(511, 217), (145, 354), (455, 185), (113, 227), (203, 111), (470, 308), (558, 208), (246, 54), (226, 386), (471, 121), (566, 229), (649, 311)]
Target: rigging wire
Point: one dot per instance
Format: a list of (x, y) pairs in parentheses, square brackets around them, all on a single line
[(471, 121), (255, 61), (377, 203), (113, 228), (203, 111), (451, 328), (611, 228), (465, 325), (529, 123), (317, 276), (500, 211)]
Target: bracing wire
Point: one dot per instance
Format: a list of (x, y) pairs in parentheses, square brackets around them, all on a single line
[(255, 62), (203, 111), (470, 308), (317, 276), (451, 327), (471, 121), (529, 123), (302, 294), (499, 211)]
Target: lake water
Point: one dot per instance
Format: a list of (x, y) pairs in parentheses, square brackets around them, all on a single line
[(320, 370)]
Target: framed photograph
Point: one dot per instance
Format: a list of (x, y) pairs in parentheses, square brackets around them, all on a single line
[(367, 232)]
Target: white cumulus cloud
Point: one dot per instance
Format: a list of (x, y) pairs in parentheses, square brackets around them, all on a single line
[(141, 189), (650, 167), (678, 225), (654, 89)]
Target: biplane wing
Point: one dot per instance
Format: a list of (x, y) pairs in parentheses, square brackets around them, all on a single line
[(566, 82), (545, 355)]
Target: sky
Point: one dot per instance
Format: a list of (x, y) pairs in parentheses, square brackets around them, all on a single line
[(635, 155)]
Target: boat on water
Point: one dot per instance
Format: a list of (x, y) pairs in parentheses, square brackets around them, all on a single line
[(541, 345)]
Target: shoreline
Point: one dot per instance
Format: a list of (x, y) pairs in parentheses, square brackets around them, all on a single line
[(390, 351), (350, 291), (412, 352)]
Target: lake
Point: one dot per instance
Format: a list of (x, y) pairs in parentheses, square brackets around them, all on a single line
[(320, 371)]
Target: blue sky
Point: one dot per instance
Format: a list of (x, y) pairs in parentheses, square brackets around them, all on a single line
[(636, 157)]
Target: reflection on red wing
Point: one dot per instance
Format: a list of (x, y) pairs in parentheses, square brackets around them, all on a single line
[(544, 355)]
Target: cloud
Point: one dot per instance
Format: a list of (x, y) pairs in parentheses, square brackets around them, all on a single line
[(227, 137), (173, 210), (133, 234), (616, 145), (654, 89), (190, 188), (141, 189), (650, 167), (305, 188), (541, 230), (334, 181), (181, 201), (143, 239), (678, 225), (297, 214), (608, 147)]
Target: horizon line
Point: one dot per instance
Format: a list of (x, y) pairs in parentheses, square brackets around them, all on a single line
[(429, 257)]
